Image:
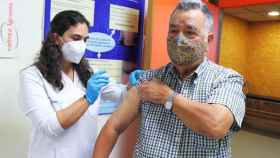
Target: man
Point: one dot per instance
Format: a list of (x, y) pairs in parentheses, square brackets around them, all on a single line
[(188, 108)]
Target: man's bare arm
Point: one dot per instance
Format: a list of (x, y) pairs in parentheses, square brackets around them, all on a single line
[(117, 123)]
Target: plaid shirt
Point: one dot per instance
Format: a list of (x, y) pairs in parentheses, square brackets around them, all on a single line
[(163, 135)]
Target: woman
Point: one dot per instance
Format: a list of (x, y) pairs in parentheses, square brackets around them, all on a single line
[(58, 91)]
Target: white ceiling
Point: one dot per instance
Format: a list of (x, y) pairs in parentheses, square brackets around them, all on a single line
[(254, 13)]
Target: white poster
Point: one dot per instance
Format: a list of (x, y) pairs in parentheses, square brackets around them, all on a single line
[(112, 67), (124, 18), (9, 40), (86, 7)]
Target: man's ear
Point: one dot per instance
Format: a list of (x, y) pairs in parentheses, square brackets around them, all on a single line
[(210, 37)]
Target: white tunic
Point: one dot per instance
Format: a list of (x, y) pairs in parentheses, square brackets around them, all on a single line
[(40, 101)]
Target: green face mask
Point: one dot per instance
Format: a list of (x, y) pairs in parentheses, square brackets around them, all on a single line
[(182, 50)]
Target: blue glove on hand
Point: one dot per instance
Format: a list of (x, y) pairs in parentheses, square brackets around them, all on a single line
[(94, 84), (134, 76)]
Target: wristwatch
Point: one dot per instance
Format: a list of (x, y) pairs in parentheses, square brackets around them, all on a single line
[(169, 103)]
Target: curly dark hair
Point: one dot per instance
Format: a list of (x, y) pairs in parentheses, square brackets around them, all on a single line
[(49, 61)]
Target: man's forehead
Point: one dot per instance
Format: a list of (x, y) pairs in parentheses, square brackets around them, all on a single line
[(186, 26), (191, 18)]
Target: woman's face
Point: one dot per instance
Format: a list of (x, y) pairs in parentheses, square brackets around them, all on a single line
[(73, 43), (76, 33)]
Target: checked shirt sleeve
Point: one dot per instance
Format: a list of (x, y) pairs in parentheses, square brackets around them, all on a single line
[(227, 91)]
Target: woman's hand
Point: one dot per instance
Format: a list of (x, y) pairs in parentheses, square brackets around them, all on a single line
[(94, 84), (134, 76)]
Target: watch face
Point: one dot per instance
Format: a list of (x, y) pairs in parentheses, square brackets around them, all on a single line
[(168, 105)]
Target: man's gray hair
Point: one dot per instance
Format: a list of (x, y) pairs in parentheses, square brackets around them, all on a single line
[(186, 5)]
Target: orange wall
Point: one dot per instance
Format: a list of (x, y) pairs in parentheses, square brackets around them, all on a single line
[(234, 47), (157, 51), (161, 10), (239, 3), (253, 50), (264, 59)]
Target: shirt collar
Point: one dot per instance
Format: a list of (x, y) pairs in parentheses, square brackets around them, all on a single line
[(202, 67), (199, 70), (67, 80)]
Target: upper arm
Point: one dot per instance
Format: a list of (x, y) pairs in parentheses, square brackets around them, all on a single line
[(32, 94), (228, 96), (127, 112), (36, 105)]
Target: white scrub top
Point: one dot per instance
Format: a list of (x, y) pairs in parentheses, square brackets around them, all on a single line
[(40, 101)]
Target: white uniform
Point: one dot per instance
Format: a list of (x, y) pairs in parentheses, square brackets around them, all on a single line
[(40, 101)]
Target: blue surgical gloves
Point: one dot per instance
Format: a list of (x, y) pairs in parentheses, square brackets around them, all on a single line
[(94, 85), (100, 79), (134, 76)]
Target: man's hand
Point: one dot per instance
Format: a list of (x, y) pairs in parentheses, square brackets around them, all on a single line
[(154, 91)]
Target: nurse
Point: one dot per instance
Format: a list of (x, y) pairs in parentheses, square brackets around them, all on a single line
[(59, 90)]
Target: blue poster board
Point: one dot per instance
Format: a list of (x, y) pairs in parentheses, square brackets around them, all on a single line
[(116, 30), (107, 42)]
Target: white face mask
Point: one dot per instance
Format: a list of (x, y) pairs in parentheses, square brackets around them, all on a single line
[(73, 51)]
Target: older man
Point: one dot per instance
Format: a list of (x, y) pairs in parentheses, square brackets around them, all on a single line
[(188, 108)]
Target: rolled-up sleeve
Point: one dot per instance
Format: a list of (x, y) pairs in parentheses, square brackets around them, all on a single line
[(36, 105), (227, 91)]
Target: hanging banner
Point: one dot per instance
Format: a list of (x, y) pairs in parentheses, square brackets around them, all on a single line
[(9, 40)]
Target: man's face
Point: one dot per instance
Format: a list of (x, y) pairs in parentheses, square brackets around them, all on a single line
[(190, 23), (187, 37)]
